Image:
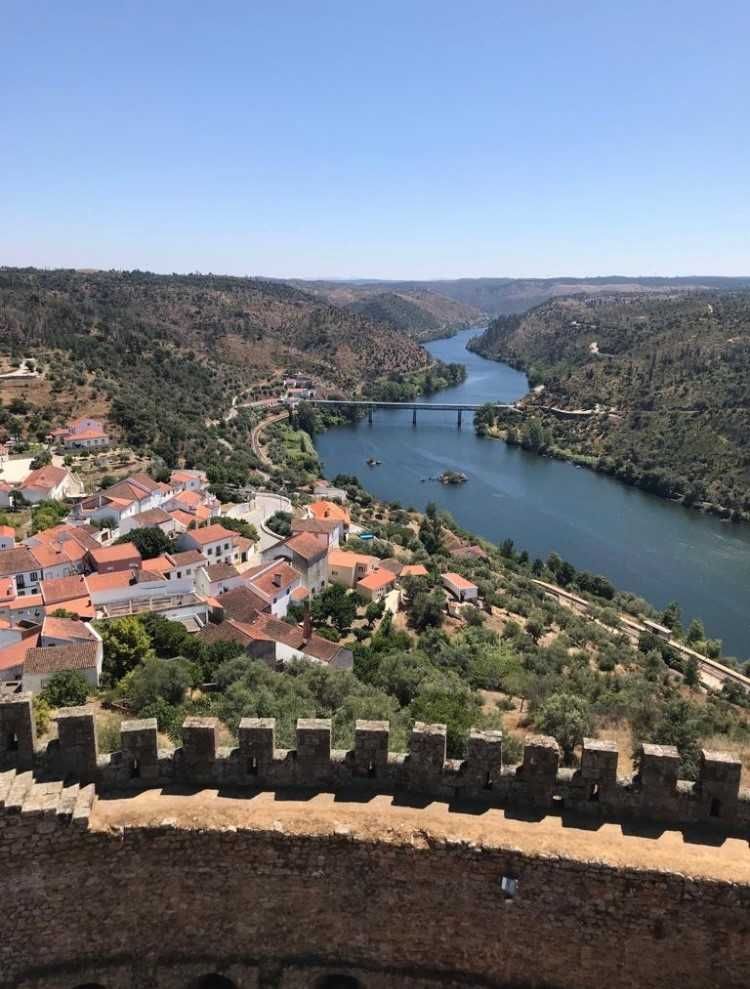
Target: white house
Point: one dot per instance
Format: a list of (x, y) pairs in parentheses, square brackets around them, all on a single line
[(274, 583), (216, 543), (41, 662), (308, 554), (461, 588), (46, 484)]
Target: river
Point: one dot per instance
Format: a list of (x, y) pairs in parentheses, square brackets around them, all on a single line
[(654, 548)]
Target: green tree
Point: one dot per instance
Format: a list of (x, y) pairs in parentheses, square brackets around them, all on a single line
[(158, 679), (431, 530), (695, 632), (567, 718), (426, 609), (126, 644), (150, 541), (67, 688), (246, 529)]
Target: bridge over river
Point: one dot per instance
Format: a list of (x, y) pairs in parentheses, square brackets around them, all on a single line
[(413, 407)]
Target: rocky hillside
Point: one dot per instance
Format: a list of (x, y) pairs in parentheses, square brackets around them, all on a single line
[(668, 377)]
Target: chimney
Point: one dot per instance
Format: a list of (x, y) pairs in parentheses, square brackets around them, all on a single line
[(307, 623)]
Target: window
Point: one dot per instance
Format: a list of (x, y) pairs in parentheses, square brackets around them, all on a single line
[(34, 575), (179, 573), (226, 545)]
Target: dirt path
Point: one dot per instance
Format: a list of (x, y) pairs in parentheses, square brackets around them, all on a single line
[(380, 819)]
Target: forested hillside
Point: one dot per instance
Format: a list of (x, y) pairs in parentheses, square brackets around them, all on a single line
[(166, 354), (423, 314), (464, 300), (667, 376)]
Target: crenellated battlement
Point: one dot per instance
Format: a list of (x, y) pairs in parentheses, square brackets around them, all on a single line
[(537, 786)]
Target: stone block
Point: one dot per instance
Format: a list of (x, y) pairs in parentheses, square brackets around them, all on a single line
[(718, 785), (598, 763), (140, 748), (658, 768), (257, 741), (537, 773), (17, 732), (313, 748), (484, 761), (371, 747), (427, 748), (77, 749), (541, 757), (198, 746)]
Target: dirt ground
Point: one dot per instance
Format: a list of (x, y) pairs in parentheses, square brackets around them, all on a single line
[(383, 820)]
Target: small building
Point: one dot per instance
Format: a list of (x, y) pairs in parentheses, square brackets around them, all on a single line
[(7, 537), (376, 585), (332, 529), (153, 518), (81, 434), (45, 484), (347, 568), (461, 588), (308, 553), (21, 564), (41, 662), (274, 583), (120, 556), (216, 543), (414, 570), (325, 489), (329, 510), (217, 579), (188, 480)]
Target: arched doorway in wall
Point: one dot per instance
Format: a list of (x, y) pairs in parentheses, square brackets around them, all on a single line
[(212, 980), (338, 981)]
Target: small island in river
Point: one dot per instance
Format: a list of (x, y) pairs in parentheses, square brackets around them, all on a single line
[(452, 477)]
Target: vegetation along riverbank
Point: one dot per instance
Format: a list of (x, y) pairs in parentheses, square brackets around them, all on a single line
[(653, 390)]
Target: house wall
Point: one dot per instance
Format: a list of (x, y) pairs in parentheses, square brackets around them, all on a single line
[(34, 683)]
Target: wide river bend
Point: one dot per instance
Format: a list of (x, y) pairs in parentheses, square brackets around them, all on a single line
[(646, 545)]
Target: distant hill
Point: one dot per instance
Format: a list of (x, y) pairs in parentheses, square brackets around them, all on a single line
[(504, 296), (670, 374), (418, 311), (166, 353)]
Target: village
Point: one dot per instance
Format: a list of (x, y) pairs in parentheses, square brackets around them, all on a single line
[(59, 583)]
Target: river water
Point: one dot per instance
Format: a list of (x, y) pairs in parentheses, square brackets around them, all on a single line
[(654, 548)]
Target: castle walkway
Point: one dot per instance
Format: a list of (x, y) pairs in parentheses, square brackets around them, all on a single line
[(425, 823)]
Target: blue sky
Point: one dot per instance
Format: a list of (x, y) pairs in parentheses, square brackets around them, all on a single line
[(403, 139)]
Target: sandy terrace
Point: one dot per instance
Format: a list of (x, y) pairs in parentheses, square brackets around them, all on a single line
[(382, 819)]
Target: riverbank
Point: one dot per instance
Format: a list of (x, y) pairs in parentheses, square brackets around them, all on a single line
[(602, 465), (594, 463), (653, 547)]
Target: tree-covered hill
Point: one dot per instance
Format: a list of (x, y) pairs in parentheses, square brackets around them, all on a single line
[(669, 376), (416, 310), (166, 354)]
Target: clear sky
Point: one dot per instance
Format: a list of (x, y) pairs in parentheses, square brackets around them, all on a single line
[(377, 139)]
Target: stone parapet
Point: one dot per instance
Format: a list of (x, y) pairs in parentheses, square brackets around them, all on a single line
[(538, 785)]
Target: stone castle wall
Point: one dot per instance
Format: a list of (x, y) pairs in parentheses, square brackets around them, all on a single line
[(538, 784), (161, 906), (148, 907)]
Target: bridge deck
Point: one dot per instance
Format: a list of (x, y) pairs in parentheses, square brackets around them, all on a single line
[(427, 406)]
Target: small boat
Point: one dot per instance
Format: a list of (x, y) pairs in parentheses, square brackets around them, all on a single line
[(371, 462)]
